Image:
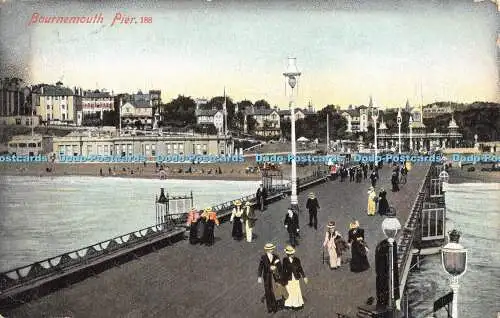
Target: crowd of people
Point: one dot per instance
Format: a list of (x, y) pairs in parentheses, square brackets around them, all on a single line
[(281, 277)]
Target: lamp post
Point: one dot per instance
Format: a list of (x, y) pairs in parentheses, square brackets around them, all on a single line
[(410, 122), (454, 260), (375, 113), (391, 226), (291, 74), (443, 179), (400, 119)]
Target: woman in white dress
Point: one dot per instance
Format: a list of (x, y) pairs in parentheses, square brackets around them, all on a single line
[(293, 272), (329, 243)]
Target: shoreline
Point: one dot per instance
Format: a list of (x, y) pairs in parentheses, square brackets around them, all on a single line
[(458, 176)]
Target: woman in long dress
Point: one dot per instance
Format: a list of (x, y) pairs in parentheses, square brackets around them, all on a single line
[(372, 201), (383, 204), (293, 272), (359, 260), (236, 219), (192, 222), (249, 219), (329, 243)]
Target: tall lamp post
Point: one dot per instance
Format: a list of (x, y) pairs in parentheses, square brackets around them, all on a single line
[(375, 113), (410, 122), (291, 74), (454, 260), (400, 119), (391, 226)]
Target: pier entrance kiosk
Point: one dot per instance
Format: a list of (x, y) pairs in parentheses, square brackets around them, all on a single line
[(272, 179), (170, 210)]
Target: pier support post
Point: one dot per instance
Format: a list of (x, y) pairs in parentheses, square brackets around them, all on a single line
[(454, 305)]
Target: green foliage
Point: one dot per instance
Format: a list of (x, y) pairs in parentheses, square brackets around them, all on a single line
[(180, 110), (262, 104)]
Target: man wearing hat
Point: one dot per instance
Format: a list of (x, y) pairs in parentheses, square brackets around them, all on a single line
[(249, 220), (292, 273), (373, 178), (372, 201), (269, 270), (236, 219), (261, 196), (292, 226), (313, 206)]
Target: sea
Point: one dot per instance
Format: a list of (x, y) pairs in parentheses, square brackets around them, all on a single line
[(474, 210), (41, 217)]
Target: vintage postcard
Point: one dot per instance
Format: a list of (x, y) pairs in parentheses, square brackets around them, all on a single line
[(245, 158)]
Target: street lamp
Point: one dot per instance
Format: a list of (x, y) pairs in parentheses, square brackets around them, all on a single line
[(292, 73), (391, 226), (375, 113), (400, 119), (410, 122), (454, 260), (443, 179)]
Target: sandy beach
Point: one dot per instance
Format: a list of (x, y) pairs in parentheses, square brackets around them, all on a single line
[(458, 175), (149, 171)]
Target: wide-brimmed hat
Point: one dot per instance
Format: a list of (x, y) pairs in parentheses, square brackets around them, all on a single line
[(331, 225), (193, 209), (269, 247), (209, 209), (371, 188), (354, 224), (237, 202), (289, 250), (311, 195), (248, 203)]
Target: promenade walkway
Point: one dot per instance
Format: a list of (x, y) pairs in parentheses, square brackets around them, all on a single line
[(221, 281)]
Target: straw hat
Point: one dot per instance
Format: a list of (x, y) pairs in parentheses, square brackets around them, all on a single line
[(248, 203), (237, 202), (209, 209), (289, 250), (311, 195), (269, 247), (371, 188), (331, 225), (193, 209)]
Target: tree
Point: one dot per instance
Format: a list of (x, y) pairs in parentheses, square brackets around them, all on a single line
[(244, 105), (262, 104), (218, 102), (180, 110), (251, 123), (110, 118)]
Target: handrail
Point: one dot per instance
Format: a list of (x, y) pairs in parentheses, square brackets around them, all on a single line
[(53, 265)]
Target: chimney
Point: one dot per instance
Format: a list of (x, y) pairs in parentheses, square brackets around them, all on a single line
[(41, 90)]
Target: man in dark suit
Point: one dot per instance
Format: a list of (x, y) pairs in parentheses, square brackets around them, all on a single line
[(312, 205), (270, 268), (382, 254), (261, 196), (292, 226)]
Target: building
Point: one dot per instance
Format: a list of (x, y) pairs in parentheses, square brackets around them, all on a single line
[(58, 105), (97, 102), (13, 99), (101, 143), (211, 116), (29, 145), (357, 119), (135, 113), (437, 109)]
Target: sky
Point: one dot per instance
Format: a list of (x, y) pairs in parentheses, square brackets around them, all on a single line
[(347, 50)]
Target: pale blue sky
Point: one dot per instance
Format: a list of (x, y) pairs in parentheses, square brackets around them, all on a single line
[(347, 51)]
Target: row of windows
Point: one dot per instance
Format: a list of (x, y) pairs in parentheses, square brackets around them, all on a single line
[(56, 98), (25, 145), (49, 107), (147, 149)]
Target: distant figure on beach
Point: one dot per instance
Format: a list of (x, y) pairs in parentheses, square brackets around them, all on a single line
[(359, 175), (292, 226), (211, 220), (373, 178), (383, 204), (292, 273), (249, 220), (261, 197), (100, 172), (372, 201), (237, 221), (312, 206), (192, 222), (356, 238)]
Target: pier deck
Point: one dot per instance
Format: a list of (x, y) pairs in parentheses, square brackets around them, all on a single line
[(221, 281)]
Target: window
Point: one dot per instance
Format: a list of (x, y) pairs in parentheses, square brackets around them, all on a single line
[(48, 107), (129, 149), (89, 149), (181, 149), (60, 149), (63, 116), (205, 149), (168, 149), (99, 149), (175, 149), (153, 150), (106, 149), (198, 149)]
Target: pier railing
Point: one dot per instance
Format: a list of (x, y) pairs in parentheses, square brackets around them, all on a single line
[(18, 279), (62, 263)]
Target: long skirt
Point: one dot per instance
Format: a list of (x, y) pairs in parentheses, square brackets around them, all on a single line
[(237, 229), (193, 233), (201, 226), (208, 237), (294, 299), (248, 231), (359, 260)]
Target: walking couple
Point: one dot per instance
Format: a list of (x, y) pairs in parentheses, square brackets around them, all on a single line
[(242, 215), (281, 279)]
